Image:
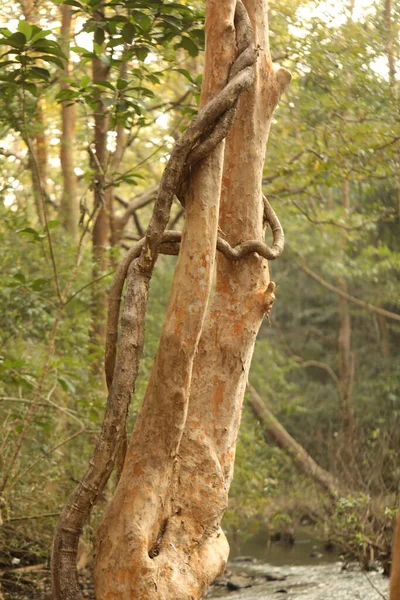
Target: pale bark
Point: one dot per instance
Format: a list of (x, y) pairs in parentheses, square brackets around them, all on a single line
[(133, 560), (144, 549), (37, 163), (346, 363), (101, 233), (241, 298), (69, 209), (272, 428), (346, 357)]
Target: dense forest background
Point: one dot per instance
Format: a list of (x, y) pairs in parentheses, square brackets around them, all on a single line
[(92, 98)]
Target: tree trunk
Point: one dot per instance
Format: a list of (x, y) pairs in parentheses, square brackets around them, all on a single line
[(346, 356), (69, 201), (393, 83), (37, 164), (101, 233), (346, 363), (159, 539), (395, 568), (302, 460)]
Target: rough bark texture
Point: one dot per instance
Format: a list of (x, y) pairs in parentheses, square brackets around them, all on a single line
[(302, 460), (139, 513), (69, 201), (159, 539)]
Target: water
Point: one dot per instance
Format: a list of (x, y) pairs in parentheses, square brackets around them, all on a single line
[(309, 571), (305, 551), (320, 582)]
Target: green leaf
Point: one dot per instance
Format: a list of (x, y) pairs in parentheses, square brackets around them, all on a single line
[(186, 74), (189, 45), (73, 3), (142, 52), (53, 224), (20, 277), (99, 36), (32, 232), (40, 72), (106, 84), (54, 60), (39, 284), (31, 87), (25, 28), (85, 81), (48, 47), (39, 35), (128, 32), (114, 42), (67, 384), (16, 40), (122, 84), (78, 49), (145, 22)]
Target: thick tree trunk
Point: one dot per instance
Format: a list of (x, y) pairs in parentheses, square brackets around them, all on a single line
[(302, 460), (159, 539), (133, 559), (69, 209)]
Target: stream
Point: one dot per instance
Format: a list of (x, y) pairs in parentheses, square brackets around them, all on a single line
[(303, 571)]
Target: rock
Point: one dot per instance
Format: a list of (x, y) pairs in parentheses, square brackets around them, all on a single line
[(248, 559), (329, 547), (239, 582), (272, 577), (221, 581), (315, 555)]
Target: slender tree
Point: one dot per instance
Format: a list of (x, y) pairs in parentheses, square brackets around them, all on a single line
[(69, 201)]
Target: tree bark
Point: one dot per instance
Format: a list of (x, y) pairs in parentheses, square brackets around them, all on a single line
[(133, 558), (69, 210), (302, 460), (37, 164), (101, 233), (395, 568), (346, 363)]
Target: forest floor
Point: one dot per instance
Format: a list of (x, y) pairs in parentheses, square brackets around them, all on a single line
[(255, 581)]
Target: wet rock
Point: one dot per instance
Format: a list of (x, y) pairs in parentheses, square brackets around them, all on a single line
[(315, 555), (239, 582), (329, 547), (247, 559), (221, 581), (272, 577)]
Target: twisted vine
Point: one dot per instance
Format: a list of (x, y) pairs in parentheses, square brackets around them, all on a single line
[(208, 129), (170, 245)]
